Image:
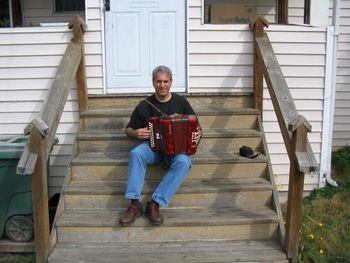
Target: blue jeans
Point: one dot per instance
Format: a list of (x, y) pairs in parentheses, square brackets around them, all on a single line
[(140, 157)]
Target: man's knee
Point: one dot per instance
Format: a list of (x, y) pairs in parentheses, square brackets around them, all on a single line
[(183, 161), (135, 153)]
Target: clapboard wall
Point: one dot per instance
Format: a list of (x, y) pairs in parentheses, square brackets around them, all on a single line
[(219, 60), (29, 58), (341, 127)]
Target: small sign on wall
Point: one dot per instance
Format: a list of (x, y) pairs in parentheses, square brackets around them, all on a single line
[(232, 13)]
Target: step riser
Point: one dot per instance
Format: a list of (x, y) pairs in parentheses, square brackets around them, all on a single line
[(207, 144), (158, 234), (107, 124), (211, 102), (149, 257), (201, 171), (246, 199)]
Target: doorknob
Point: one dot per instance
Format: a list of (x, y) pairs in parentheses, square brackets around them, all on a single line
[(107, 5)]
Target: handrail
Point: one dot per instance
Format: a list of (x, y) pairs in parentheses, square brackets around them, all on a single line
[(294, 129), (42, 131)]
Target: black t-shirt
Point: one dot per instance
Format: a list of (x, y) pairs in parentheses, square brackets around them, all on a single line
[(177, 104)]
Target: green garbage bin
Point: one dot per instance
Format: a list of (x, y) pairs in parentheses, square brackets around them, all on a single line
[(16, 193)]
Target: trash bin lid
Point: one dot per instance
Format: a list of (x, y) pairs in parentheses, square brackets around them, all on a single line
[(12, 148)]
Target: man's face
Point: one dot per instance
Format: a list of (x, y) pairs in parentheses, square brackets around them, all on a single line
[(162, 84)]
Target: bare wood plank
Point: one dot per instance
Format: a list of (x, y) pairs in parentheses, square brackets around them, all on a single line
[(275, 198), (82, 83), (258, 78), (295, 194), (38, 144), (60, 208), (54, 103), (23, 160), (79, 27), (59, 89), (305, 160), (194, 251), (7, 246), (298, 121), (280, 95), (28, 128), (42, 127), (296, 143), (27, 162)]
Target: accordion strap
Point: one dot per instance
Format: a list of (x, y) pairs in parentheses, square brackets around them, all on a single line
[(155, 107)]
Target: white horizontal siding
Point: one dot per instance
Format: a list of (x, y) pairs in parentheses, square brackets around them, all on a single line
[(220, 60), (94, 35), (23, 87), (341, 127), (296, 12), (306, 83), (29, 58)]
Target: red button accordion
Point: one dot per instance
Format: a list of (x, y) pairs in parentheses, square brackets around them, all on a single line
[(173, 135)]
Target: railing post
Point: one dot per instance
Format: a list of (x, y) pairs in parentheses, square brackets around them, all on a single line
[(299, 128), (79, 27), (38, 145), (258, 28)]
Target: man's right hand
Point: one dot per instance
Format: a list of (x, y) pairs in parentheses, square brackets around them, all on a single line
[(140, 134)]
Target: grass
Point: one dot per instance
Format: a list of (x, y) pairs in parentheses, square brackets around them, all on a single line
[(325, 231), (17, 258)]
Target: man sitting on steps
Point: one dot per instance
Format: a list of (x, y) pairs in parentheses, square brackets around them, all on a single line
[(142, 155)]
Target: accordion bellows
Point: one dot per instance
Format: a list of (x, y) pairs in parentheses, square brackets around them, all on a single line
[(174, 134)]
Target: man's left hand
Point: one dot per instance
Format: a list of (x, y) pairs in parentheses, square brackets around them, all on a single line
[(198, 136)]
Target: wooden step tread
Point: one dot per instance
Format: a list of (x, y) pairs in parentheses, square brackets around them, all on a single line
[(125, 112), (194, 251), (103, 187), (112, 158), (207, 133), (172, 217)]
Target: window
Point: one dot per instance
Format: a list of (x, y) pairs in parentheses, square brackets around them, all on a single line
[(239, 11), (4, 14), (11, 13), (30, 13), (69, 5)]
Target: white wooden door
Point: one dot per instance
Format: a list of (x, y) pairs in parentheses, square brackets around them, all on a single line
[(140, 35)]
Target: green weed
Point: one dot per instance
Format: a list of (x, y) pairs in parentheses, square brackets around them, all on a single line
[(325, 231), (17, 258)]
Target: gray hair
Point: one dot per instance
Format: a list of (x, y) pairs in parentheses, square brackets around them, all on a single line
[(162, 69)]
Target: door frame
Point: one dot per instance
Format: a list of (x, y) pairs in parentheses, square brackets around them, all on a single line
[(104, 53)]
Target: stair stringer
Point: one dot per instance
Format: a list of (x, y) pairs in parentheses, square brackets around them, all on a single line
[(66, 181), (275, 199)]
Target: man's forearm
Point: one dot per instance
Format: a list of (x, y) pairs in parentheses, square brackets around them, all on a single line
[(140, 134), (130, 132)]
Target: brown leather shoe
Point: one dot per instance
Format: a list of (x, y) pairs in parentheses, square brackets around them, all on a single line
[(132, 212), (153, 213)]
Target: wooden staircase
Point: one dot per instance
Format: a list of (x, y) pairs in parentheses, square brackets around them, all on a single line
[(226, 210)]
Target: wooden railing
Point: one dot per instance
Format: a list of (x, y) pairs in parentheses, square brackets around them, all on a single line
[(294, 129), (42, 131)]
